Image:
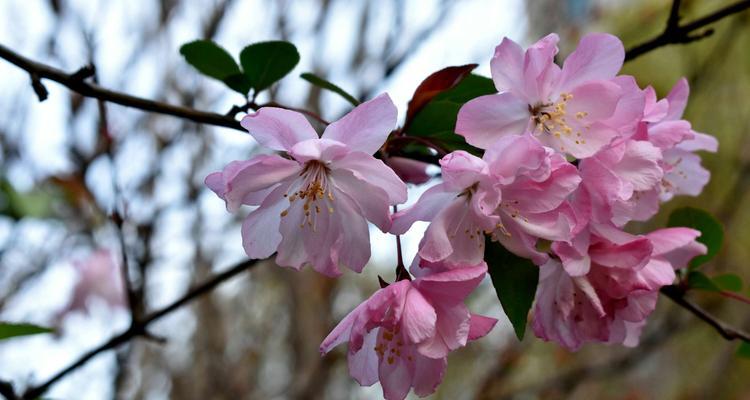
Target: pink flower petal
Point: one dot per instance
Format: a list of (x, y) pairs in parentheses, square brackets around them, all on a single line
[(375, 172), (277, 128), (428, 373), (599, 56), (419, 317), (372, 201), (485, 119), (507, 66), (480, 326), (677, 100), (366, 127), (426, 208), (240, 179)]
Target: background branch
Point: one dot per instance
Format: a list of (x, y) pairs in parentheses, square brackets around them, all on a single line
[(139, 328), (75, 82), (675, 33)]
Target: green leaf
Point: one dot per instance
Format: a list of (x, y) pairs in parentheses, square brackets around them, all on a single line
[(515, 280), (728, 282), (743, 350), (9, 330), (712, 233), (212, 60), (699, 280), (471, 87), (265, 63), (324, 84)]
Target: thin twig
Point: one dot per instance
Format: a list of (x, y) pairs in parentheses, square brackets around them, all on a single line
[(74, 82), (677, 294), (139, 328), (675, 33)]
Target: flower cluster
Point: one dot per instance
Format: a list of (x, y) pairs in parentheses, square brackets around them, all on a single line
[(566, 156)]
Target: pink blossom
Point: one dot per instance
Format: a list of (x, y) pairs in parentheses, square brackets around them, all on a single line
[(570, 109), (98, 277), (402, 334), (622, 180), (535, 183), (313, 207), (460, 209), (683, 172), (606, 284), (517, 192)]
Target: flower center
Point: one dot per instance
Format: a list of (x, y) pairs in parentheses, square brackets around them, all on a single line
[(390, 345), (314, 192), (550, 118)]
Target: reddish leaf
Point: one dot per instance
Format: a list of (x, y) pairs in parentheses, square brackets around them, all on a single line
[(435, 84)]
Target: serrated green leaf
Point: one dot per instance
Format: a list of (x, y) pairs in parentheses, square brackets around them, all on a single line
[(699, 280), (728, 282), (324, 84), (515, 280), (743, 350), (9, 330), (212, 60), (265, 63), (712, 233)]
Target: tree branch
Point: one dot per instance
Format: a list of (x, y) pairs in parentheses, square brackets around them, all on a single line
[(675, 33), (138, 328), (75, 82), (677, 294)]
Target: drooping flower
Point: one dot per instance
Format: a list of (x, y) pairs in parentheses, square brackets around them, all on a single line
[(402, 334), (604, 287), (313, 207), (573, 109)]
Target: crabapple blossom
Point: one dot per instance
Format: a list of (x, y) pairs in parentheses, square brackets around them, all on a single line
[(683, 173), (402, 334), (460, 209), (604, 287), (313, 206), (535, 183), (517, 191), (570, 109)]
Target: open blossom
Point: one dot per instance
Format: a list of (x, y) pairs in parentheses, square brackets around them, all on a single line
[(402, 334), (573, 109), (604, 290), (313, 207), (648, 164)]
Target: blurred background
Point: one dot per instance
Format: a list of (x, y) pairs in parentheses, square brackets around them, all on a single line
[(68, 163)]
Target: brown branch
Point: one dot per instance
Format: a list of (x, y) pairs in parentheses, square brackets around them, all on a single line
[(675, 33), (75, 82), (677, 294), (138, 328)]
